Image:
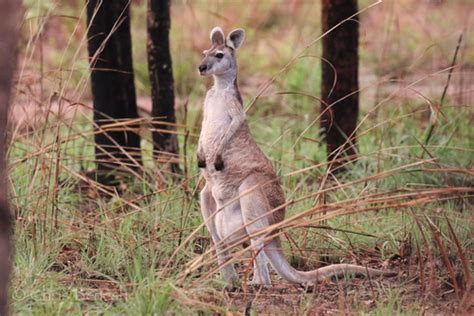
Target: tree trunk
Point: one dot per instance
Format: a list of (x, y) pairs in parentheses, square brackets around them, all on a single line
[(340, 100), (113, 88), (9, 17), (165, 142)]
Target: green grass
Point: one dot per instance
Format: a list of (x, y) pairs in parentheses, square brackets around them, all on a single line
[(56, 265), (77, 253)]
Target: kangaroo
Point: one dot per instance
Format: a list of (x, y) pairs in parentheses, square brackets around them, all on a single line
[(242, 192)]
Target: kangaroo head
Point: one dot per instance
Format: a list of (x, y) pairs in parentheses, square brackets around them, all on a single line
[(220, 58)]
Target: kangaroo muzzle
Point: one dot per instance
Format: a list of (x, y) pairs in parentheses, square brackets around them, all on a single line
[(203, 68)]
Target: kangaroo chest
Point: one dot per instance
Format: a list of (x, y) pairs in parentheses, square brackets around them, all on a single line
[(216, 118)]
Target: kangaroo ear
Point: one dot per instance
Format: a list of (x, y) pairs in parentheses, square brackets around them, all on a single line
[(235, 38), (217, 36)]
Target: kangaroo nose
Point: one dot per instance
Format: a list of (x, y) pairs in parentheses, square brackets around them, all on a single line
[(202, 68)]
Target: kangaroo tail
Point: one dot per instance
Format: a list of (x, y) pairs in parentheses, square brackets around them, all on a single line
[(286, 271)]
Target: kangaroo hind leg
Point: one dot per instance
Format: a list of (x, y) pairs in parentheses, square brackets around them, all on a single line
[(208, 209), (254, 207)]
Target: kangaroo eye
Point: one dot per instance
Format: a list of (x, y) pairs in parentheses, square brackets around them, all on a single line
[(219, 55)]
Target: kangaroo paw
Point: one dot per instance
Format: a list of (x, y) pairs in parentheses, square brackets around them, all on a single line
[(219, 163), (201, 163)]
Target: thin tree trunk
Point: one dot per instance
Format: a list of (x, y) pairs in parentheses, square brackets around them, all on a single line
[(9, 16), (113, 87), (165, 142), (340, 105)]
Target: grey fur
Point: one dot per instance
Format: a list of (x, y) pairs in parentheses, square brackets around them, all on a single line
[(242, 190)]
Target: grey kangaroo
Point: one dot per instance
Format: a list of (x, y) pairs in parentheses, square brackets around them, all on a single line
[(242, 192)]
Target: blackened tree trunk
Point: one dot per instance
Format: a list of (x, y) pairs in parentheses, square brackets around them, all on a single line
[(340, 105), (9, 22), (117, 148), (165, 142)]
